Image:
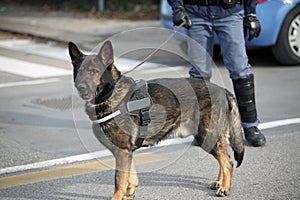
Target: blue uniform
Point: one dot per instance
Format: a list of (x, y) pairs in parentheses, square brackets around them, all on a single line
[(227, 23)]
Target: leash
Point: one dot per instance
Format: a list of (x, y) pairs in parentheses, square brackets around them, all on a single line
[(175, 30), (139, 104)]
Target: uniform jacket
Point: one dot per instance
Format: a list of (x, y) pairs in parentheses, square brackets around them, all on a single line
[(249, 7)]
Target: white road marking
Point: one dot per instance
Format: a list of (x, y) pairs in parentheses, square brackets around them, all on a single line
[(54, 162), (29, 69), (125, 64), (104, 153), (278, 123), (163, 70), (48, 50), (34, 70), (34, 82), (42, 49)]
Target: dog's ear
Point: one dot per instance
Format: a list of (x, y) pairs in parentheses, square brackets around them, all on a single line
[(74, 51), (106, 54)]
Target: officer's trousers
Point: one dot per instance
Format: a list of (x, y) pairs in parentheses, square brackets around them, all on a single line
[(229, 31)]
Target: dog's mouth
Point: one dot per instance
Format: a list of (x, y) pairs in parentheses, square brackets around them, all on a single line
[(100, 92), (87, 96), (85, 92)]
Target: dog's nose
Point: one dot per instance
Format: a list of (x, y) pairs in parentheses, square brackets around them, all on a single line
[(81, 87)]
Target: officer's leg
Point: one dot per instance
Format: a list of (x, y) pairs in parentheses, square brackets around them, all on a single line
[(200, 48), (230, 33)]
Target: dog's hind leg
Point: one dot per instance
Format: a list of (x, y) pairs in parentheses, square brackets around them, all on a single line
[(223, 183), (133, 183), (218, 183), (122, 172)]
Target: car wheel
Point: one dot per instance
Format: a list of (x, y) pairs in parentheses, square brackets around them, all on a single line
[(287, 48)]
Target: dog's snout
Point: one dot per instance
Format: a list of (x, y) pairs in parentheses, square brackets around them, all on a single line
[(81, 87)]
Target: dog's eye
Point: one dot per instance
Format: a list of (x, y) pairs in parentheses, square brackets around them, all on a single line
[(93, 71)]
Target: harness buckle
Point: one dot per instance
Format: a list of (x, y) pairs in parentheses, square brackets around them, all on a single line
[(145, 117)]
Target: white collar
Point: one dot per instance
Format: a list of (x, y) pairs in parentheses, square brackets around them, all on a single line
[(108, 117)]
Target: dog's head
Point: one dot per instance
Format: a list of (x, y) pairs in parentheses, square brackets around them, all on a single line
[(94, 75)]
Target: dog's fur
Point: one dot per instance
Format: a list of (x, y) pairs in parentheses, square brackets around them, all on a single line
[(181, 107)]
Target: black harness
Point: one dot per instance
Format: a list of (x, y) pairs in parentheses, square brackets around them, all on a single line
[(139, 104)]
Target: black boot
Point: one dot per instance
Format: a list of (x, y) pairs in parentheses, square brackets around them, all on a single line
[(245, 95), (254, 136)]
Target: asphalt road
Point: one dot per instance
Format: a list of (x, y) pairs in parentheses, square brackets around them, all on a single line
[(39, 123)]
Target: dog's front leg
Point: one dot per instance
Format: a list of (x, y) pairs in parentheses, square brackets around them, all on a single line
[(133, 182), (123, 164)]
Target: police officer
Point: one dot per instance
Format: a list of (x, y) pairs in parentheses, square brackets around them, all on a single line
[(231, 20)]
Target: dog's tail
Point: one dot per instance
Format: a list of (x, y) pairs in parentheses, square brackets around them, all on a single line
[(236, 134)]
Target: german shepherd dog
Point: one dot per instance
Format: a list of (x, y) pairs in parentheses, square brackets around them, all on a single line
[(180, 107)]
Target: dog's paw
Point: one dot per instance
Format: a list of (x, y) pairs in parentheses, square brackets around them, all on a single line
[(222, 192), (128, 197), (215, 185)]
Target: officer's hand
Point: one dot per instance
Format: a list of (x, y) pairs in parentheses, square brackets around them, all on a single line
[(179, 16), (251, 26)]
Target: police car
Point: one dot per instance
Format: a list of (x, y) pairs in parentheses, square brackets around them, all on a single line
[(280, 22)]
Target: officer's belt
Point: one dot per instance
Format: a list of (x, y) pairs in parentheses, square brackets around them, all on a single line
[(209, 2)]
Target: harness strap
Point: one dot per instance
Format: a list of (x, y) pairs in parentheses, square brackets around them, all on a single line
[(139, 142), (140, 105)]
